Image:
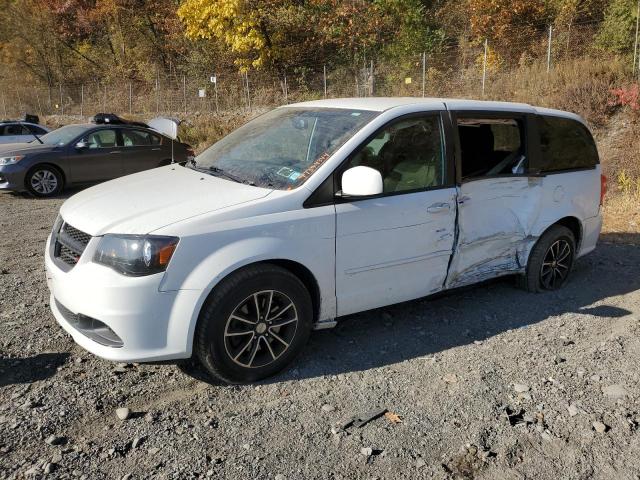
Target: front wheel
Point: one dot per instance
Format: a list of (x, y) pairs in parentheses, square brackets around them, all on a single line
[(44, 181), (253, 324), (551, 260)]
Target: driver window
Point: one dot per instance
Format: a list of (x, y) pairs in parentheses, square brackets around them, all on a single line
[(409, 154), (101, 139)]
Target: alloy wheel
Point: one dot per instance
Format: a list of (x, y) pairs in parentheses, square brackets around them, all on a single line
[(44, 182), (556, 264), (260, 329)]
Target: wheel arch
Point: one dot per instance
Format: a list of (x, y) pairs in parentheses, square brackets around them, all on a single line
[(572, 223), (58, 168), (302, 272)]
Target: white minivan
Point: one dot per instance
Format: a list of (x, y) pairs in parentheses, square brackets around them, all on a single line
[(318, 210)]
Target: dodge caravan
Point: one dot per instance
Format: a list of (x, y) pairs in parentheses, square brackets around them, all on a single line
[(318, 210)]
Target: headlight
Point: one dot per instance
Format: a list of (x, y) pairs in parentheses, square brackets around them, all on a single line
[(10, 160), (135, 255)]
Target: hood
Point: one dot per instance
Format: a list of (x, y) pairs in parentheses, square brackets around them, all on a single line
[(147, 201), (7, 149)]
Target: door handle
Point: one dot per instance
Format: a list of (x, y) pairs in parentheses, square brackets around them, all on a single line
[(438, 207), (156, 149), (117, 151), (464, 199)]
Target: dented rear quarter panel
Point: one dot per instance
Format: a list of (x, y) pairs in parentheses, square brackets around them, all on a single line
[(501, 219), (496, 220)]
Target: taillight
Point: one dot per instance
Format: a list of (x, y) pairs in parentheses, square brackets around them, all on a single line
[(603, 188)]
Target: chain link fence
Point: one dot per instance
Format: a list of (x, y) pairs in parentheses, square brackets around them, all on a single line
[(508, 70)]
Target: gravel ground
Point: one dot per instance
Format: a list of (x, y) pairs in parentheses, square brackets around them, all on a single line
[(486, 382)]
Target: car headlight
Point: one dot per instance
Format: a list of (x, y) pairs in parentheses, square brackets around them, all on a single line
[(11, 160), (135, 255)]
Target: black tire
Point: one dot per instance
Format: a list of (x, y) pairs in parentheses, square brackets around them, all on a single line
[(44, 181), (217, 339), (555, 275)]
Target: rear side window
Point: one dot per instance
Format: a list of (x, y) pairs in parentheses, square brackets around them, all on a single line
[(136, 138), (37, 130), (492, 146), (565, 144), (14, 129)]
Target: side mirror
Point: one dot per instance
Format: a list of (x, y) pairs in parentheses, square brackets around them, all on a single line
[(82, 144), (361, 182)]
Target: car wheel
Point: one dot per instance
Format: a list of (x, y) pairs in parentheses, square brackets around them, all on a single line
[(253, 324), (550, 261), (44, 181)]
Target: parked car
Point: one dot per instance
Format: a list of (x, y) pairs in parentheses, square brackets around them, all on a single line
[(318, 210), (84, 154), (21, 131)]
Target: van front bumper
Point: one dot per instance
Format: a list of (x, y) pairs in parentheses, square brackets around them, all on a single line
[(121, 318)]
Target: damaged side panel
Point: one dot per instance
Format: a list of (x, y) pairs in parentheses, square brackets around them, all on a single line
[(496, 218)]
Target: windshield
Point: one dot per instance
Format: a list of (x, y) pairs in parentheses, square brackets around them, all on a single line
[(282, 148), (62, 135)]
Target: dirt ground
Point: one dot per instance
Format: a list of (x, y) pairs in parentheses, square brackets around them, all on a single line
[(486, 382)]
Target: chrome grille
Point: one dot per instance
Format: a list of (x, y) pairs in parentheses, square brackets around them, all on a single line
[(70, 244), (76, 234)]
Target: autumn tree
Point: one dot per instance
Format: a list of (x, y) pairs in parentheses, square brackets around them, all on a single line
[(617, 33), (509, 25)]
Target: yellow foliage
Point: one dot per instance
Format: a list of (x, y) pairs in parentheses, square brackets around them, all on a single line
[(494, 60), (627, 184), (237, 23)]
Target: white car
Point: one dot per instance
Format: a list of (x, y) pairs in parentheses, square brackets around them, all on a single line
[(318, 210), (20, 132)]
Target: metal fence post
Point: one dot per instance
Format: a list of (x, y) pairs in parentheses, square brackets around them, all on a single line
[(635, 47), (371, 80), (424, 64), (4, 106), (184, 93), (484, 65), (157, 91), (324, 77), (286, 93), (549, 49), (246, 76), (130, 98), (215, 92), (81, 100), (61, 100)]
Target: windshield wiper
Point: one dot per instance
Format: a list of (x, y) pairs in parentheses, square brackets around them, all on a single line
[(221, 172), (36, 137)]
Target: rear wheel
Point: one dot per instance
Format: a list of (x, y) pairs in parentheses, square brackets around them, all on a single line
[(254, 324), (550, 261), (44, 181)]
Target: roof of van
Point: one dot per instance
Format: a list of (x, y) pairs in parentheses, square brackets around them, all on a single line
[(380, 104)]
